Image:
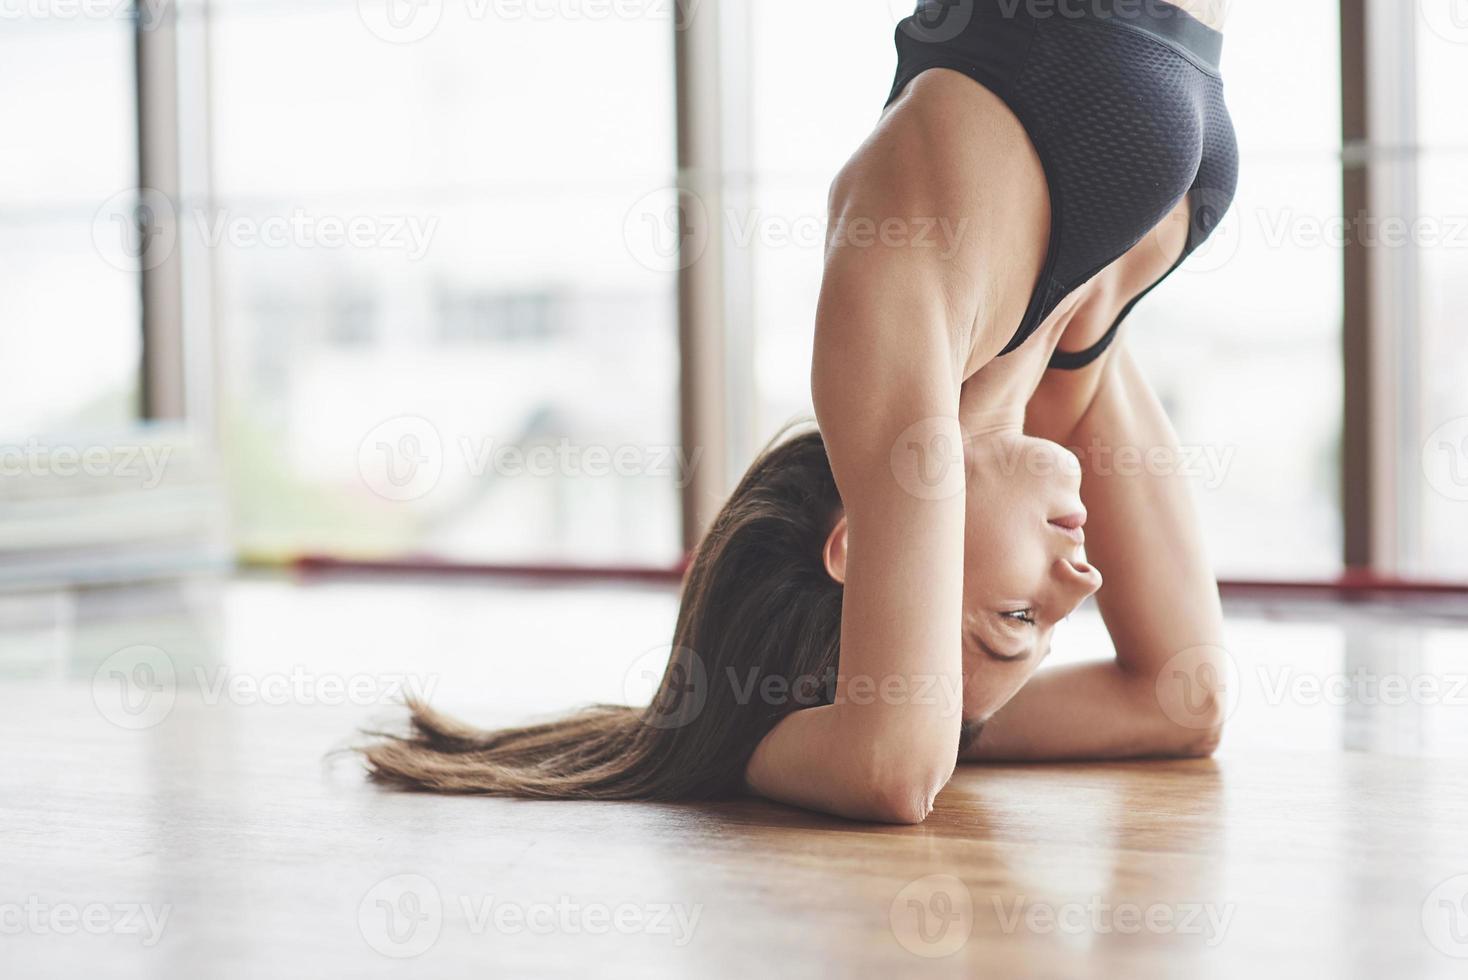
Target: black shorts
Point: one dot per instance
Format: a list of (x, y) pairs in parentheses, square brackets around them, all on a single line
[(1123, 102)]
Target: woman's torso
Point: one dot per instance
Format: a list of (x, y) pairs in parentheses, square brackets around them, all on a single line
[(959, 119)]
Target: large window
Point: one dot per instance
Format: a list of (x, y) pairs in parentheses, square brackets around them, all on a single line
[(1243, 343), (814, 96), (429, 291), (70, 314), (1435, 497), (434, 336)]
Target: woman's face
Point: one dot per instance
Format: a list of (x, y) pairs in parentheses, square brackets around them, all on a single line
[(1024, 563)]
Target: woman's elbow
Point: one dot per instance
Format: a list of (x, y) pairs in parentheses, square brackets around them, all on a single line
[(907, 796), (1200, 738), (1202, 743), (1171, 725), (901, 807)]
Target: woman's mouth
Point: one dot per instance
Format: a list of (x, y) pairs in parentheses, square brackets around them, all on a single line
[(1070, 525)]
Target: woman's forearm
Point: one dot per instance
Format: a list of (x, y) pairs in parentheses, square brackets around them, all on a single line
[(1159, 598), (1086, 711)]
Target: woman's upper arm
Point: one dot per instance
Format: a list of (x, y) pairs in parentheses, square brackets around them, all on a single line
[(885, 385), (924, 264)]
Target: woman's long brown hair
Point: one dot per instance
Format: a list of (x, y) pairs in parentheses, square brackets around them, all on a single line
[(757, 637)]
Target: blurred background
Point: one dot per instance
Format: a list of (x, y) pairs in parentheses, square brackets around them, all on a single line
[(527, 284), (306, 303)]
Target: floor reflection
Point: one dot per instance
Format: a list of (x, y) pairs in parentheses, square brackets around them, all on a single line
[(222, 802)]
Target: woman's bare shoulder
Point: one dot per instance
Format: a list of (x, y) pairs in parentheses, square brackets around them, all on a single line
[(948, 185)]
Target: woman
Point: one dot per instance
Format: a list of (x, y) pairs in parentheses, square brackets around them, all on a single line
[(870, 606)]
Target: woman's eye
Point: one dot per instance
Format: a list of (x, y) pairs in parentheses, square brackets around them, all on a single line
[(1026, 616)]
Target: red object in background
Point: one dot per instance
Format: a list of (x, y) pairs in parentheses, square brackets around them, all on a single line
[(1354, 583)]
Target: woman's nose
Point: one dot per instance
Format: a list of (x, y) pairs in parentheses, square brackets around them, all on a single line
[(1081, 579)]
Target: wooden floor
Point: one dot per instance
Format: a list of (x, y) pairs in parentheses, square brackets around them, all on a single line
[(219, 838)]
